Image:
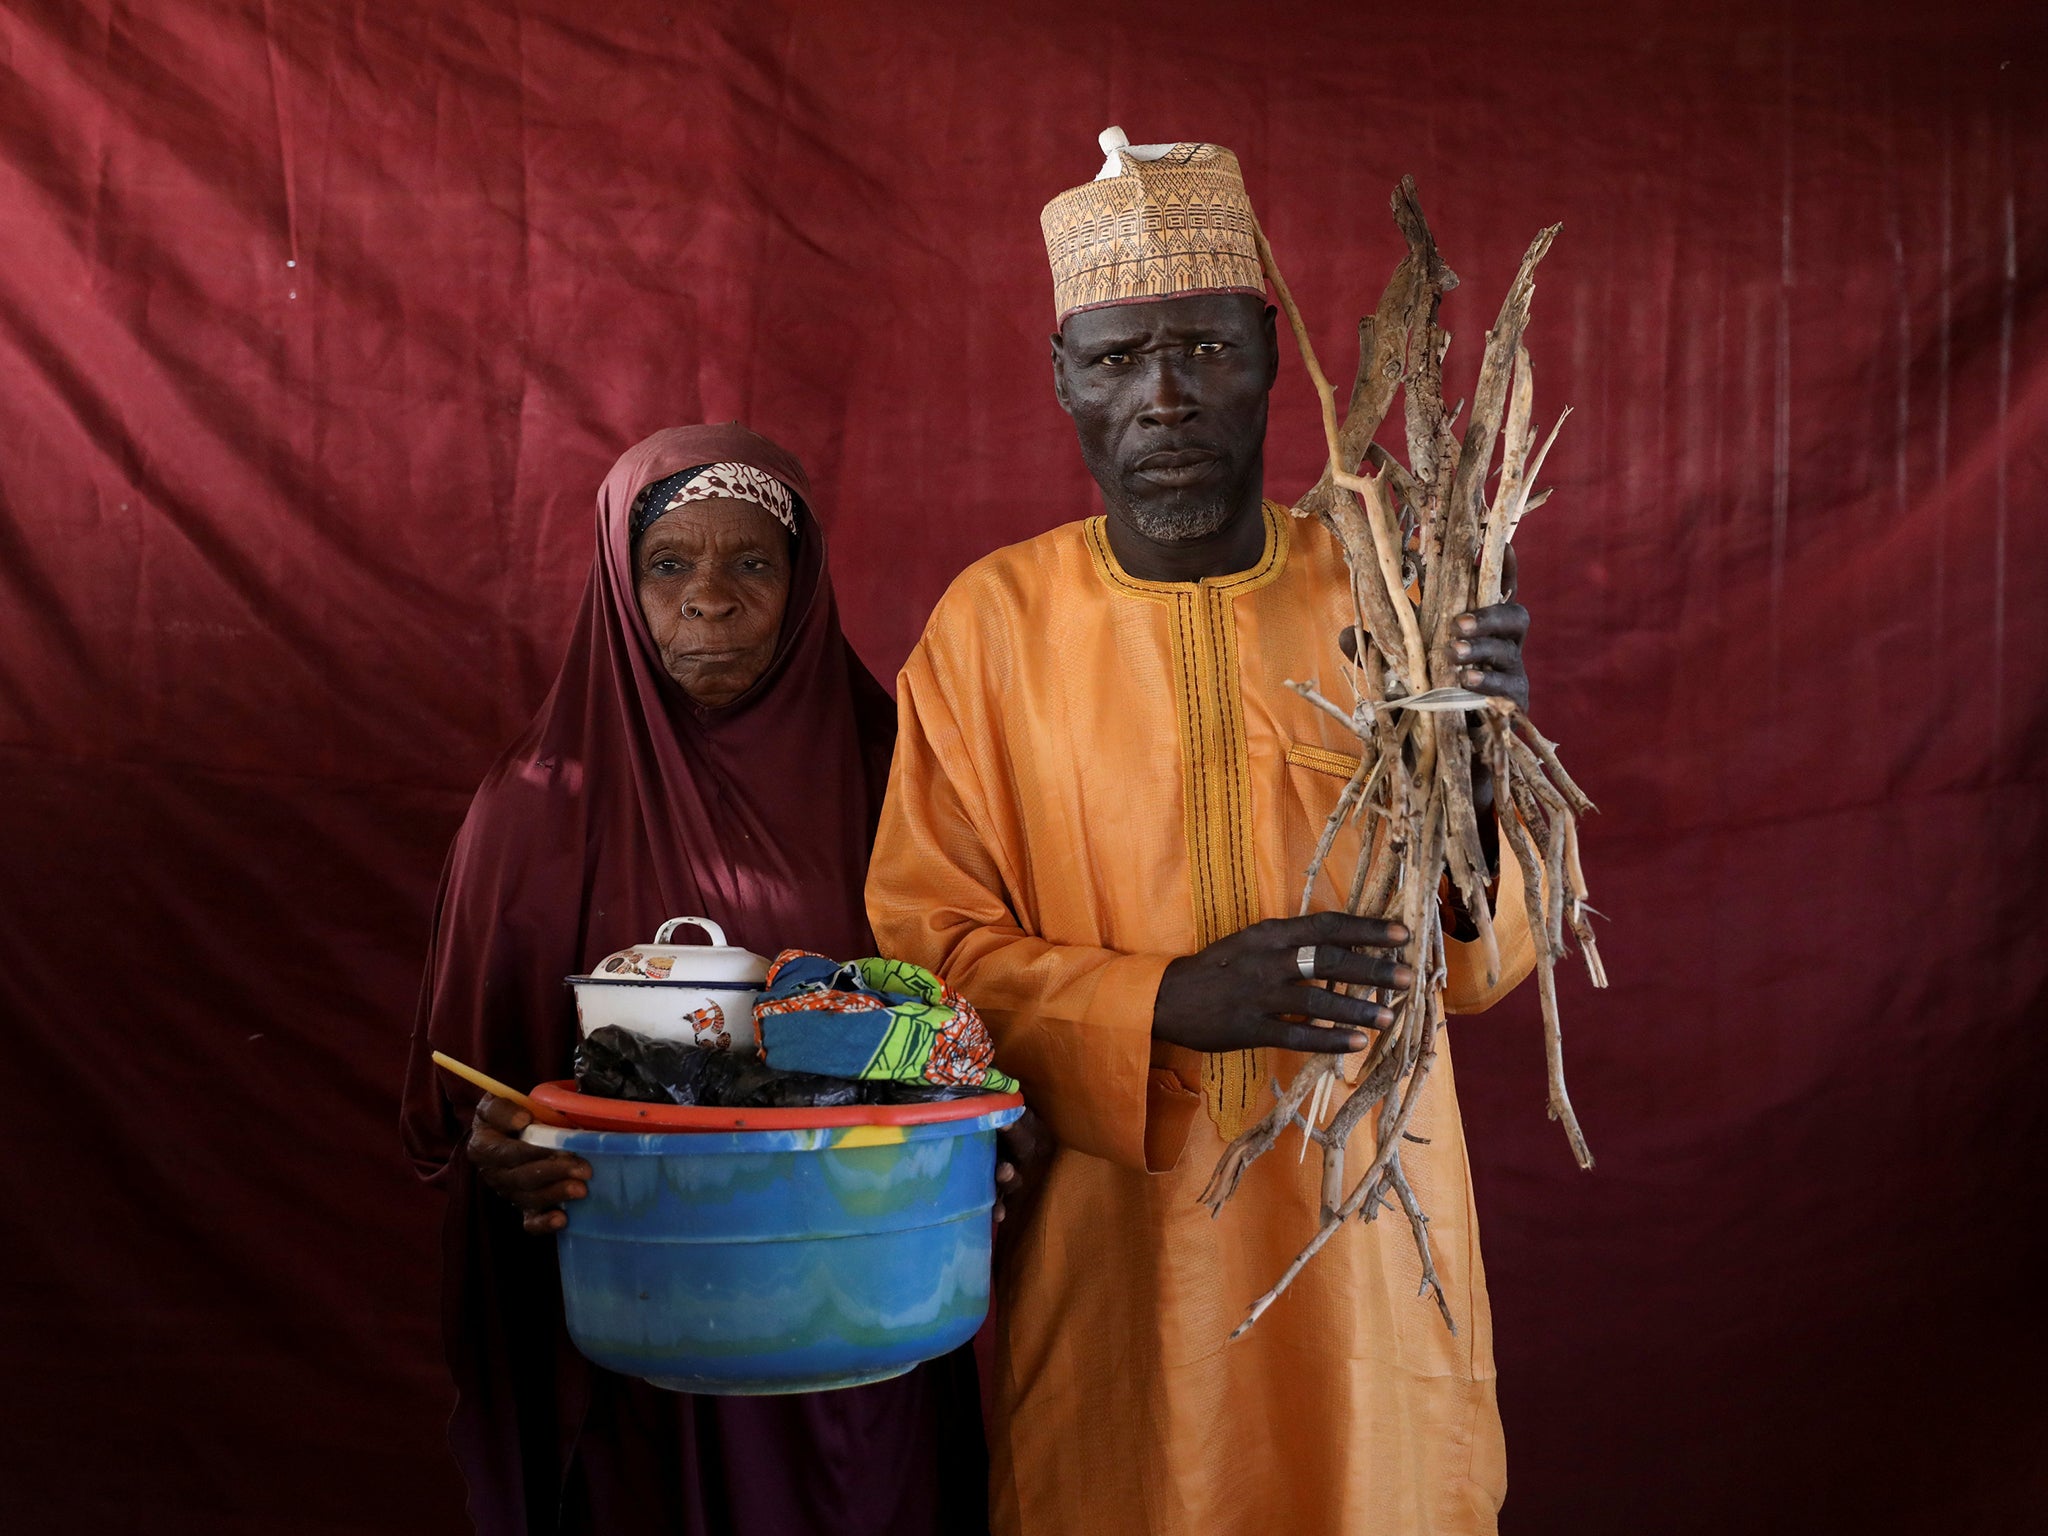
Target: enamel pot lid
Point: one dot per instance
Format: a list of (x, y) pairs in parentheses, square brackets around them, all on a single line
[(664, 960)]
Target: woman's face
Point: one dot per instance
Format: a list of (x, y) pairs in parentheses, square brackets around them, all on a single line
[(713, 579)]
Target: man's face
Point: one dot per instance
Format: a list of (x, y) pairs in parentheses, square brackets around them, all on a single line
[(1169, 401)]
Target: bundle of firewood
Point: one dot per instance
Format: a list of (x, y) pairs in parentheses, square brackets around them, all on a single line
[(1425, 544)]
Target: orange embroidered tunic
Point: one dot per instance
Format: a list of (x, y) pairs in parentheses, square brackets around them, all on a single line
[(1094, 775)]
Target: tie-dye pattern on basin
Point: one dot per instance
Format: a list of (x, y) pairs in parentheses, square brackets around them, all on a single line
[(744, 1262)]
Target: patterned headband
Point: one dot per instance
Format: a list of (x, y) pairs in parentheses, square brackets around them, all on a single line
[(738, 482)]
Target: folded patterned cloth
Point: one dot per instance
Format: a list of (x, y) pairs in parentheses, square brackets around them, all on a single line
[(874, 1019)]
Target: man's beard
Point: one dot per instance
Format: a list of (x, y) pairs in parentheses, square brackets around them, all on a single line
[(1180, 518)]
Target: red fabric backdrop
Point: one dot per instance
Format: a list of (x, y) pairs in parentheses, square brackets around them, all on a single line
[(320, 323)]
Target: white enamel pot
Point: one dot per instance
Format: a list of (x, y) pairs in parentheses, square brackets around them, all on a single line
[(698, 994)]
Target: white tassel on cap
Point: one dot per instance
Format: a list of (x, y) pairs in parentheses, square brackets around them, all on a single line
[(1115, 139)]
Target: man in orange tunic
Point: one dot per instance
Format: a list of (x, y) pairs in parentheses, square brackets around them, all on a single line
[(1102, 806)]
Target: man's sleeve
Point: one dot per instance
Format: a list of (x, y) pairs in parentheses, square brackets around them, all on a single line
[(1072, 1023)]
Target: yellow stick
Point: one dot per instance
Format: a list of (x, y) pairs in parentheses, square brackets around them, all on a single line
[(497, 1089)]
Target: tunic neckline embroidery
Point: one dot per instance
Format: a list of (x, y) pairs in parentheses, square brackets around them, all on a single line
[(1272, 560), (1216, 778)]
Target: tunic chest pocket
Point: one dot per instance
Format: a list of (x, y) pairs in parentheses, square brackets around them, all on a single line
[(1339, 765), (1315, 778)]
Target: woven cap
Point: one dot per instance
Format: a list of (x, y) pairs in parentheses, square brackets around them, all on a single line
[(1159, 222)]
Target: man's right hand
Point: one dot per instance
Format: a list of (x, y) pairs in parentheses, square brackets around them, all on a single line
[(532, 1178), (1235, 995)]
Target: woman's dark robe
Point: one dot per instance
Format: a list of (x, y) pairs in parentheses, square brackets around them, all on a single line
[(623, 804)]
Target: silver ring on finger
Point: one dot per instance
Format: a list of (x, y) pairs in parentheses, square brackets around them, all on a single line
[(1305, 962)]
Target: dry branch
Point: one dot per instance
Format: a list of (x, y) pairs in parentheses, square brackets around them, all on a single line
[(1422, 737)]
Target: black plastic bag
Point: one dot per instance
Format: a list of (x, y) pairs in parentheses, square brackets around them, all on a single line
[(887, 1091), (615, 1063), (747, 1082)]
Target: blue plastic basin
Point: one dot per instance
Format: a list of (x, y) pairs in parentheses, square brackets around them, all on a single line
[(748, 1262)]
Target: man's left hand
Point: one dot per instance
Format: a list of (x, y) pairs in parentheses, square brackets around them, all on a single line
[(1022, 1150), (1486, 644), (1486, 656), (1486, 649)]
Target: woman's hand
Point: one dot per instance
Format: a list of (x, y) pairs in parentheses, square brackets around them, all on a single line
[(532, 1178)]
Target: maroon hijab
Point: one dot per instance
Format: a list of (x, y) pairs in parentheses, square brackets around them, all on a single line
[(622, 804)]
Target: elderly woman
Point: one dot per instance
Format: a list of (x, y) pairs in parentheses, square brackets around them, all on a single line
[(713, 746)]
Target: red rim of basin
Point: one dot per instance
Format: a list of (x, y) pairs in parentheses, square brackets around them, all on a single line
[(587, 1112)]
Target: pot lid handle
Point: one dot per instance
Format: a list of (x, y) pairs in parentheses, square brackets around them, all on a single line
[(667, 930)]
